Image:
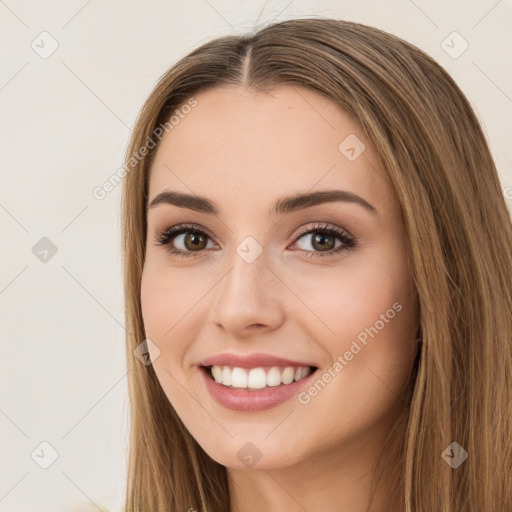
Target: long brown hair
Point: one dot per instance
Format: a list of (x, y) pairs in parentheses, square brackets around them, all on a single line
[(432, 148)]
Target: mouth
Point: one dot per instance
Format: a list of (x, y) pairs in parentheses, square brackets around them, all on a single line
[(259, 378)]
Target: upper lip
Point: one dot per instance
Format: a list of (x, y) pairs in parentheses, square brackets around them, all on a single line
[(250, 361)]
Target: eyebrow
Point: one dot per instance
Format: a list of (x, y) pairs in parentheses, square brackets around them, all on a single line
[(282, 206)]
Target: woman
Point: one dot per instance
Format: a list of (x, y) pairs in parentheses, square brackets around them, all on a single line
[(318, 278)]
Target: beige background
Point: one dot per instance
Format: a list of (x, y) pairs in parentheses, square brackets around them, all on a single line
[(66, 119)]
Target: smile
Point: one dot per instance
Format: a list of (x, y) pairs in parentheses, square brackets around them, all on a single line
[(257, 378), (255, 389)]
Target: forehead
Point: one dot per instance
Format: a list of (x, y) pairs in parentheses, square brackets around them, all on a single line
[(261, 145)]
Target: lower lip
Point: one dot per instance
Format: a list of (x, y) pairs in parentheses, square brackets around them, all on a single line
[(257, 400)]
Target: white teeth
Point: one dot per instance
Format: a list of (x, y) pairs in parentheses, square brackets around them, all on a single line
[(305, 371), (226, 376), (217, 373), (238, 378), (287, 375), (258, 378), (273, 377)]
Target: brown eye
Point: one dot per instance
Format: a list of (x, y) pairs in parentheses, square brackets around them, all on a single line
[(318, 241), (183, 240), (324, 240), (194, 242)]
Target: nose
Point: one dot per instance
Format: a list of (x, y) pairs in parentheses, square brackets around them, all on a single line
[(248, 298)]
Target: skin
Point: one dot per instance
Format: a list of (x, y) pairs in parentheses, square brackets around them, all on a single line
[(243, 150)]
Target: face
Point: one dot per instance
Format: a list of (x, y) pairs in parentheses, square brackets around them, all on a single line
[(253, 283)]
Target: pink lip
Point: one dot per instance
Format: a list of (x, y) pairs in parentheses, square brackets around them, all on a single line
[(250, 361), (244, 400)]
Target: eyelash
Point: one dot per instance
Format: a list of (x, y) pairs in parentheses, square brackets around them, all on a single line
[(165, 237)]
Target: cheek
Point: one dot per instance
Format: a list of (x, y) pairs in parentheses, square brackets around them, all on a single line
[(156, 302), (372, 311), (349, 297), (365, 313), (165, 299)]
